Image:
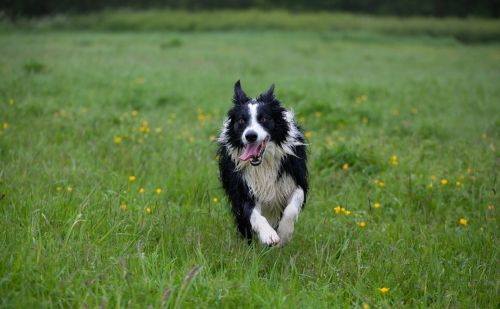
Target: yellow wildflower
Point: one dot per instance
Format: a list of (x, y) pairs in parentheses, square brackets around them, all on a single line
[(381, 184), (58, 188), (134, 113), (491, 207), (132, 178), (469, 171), (430, 186), (302, 119), (463, 221), (384, 290), (346, 212), (69, 189), (317, 114), (215, 200), (394, 160), (345, 166), (338, 209), (158, 191), (5, 125), (366, 306), (158, 130), (11, 102), (361, 98), (362, 224), (376, 181), (117, 140), (142, 190), (308, 134), (376, 205), (444, 181), (433, 177), (202, 117), (123, 206), (458, 184), (148, 210)]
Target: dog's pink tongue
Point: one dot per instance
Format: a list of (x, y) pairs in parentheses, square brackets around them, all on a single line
[(251, 150)]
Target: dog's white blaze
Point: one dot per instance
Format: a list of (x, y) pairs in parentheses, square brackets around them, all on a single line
[(288, 146), (254, 125), (290, 215), (260, 225)]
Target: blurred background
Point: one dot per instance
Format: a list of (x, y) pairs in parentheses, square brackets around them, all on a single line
[(438, 8), (465, 20)]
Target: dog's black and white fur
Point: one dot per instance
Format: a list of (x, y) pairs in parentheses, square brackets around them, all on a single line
[(262, 163)]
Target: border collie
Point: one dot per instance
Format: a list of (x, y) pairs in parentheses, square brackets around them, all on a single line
[(262, 165)]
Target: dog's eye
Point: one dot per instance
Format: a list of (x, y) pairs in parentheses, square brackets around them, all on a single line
[(241, 121), (263, 119)]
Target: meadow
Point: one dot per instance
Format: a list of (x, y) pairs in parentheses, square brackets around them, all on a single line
[(109, 191)]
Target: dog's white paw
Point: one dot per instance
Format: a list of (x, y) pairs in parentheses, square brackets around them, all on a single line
[(268, 236), (285, 232)]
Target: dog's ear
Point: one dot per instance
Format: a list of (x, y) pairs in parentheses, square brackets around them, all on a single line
[(267, 96), (240, 96)]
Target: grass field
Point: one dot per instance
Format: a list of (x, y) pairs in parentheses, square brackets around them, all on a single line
[(404, 135)]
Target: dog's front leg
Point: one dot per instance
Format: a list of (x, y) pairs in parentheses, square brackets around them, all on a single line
[(267, 235), (290, 215)]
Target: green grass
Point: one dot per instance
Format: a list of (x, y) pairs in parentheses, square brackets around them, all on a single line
[(67, 95), (470, 30)]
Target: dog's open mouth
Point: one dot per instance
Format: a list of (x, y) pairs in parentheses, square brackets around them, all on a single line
[(254, 152)]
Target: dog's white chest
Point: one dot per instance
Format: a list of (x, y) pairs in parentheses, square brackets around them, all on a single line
[(271, 191), (268, 189)]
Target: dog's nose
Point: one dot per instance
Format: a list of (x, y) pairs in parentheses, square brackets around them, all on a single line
[(251, 136)]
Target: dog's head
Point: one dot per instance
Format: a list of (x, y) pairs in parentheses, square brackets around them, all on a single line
[(254, 123)]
